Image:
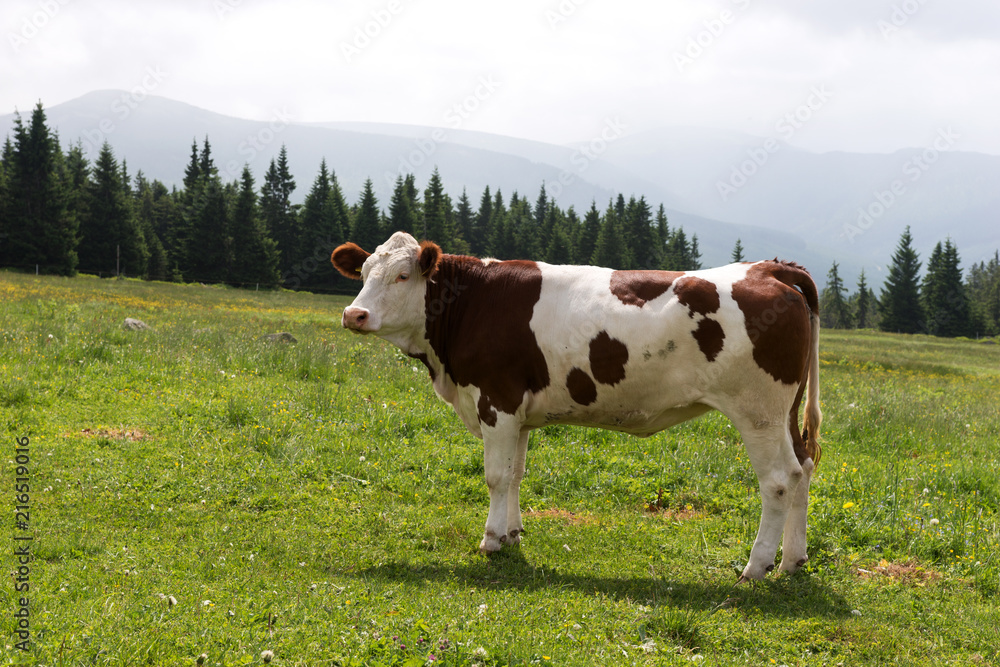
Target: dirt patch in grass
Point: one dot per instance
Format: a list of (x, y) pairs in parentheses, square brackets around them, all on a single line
[(675, 513), (570, 518), (129, 434), (908, 572)]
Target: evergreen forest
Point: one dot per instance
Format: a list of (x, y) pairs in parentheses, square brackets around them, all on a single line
[(60, 214)]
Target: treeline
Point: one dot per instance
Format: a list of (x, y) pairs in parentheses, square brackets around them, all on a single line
[(941, 303), (63, 215)]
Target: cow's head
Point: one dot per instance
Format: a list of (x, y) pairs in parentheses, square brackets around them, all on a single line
[(395, 278)]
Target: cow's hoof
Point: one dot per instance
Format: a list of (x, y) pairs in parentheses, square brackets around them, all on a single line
[(490, 544), (514, 537), (755, 573), (790, 566)]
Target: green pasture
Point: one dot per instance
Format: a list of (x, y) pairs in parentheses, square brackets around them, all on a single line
[(201, 493)]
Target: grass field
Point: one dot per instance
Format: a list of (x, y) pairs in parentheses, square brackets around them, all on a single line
[(198, 490)]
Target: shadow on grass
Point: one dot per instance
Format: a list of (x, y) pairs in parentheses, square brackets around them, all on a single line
[(799, 595)]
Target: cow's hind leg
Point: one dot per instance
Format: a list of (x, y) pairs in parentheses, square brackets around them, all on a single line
[(500, 461), (793, 544), (779, 475)]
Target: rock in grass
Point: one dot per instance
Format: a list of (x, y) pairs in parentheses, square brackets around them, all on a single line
[(281, 337), (135, 325)]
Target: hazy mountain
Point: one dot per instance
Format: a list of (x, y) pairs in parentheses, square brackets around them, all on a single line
[(779, 200)]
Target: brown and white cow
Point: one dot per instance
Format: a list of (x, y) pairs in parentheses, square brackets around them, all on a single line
[(516, 345)]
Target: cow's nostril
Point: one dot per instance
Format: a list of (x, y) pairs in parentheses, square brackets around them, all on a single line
[(362, 317)]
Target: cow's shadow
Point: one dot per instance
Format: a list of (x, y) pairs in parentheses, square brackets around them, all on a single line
[(798, 595)]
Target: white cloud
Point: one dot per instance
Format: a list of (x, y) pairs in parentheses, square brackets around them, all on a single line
[(564, 66)]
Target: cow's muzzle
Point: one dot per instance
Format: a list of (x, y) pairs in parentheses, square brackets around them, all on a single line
[(357, 319)]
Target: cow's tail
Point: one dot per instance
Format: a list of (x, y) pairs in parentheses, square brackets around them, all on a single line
[(797, 277), (812, 416)]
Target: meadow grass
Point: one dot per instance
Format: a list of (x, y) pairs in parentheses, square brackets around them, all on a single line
[(199, 490)]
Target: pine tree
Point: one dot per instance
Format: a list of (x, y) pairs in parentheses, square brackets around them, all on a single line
[(482, 230), (464, 222), (6, 161), (367, 231), (983, 286), (834, 311), (402, 210), (278, 214), (158, 264), (864, 304), (111, 241), (610, 250), (323, 222), (901, 309), (538, 232), (681, 254), (737, 255), (78, 182), (255, 253), (210, 257), (942, 293), (522, 229), (435, 214), (639, 234), (41, 229), (588, 235), (694, 254), (560, 250), (501, 238)]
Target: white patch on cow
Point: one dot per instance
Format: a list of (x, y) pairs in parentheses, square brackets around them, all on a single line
[(395, 305), (667, 378)]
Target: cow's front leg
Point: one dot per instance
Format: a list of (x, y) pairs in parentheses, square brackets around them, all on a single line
[(500, 460), (514, 526)]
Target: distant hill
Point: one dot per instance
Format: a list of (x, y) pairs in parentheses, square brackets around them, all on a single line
[(794, 204)]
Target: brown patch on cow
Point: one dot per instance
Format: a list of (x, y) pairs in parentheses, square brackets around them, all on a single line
[(581, 388), (776, 315), (571, 518), (698, 294), (608, 357), (426, 362), (348, 258), (710, 337), (487, 413), (909, 572), (478, 324), (635, 288)]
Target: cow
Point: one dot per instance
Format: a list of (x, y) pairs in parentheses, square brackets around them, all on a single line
[(516, 345)]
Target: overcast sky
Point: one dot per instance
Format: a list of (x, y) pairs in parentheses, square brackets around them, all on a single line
[(860, 75)]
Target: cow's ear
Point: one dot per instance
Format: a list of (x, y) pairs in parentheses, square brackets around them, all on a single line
[(348, 259), (430, 256)]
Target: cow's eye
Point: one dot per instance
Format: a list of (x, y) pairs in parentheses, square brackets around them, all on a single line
[(402, 277)]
